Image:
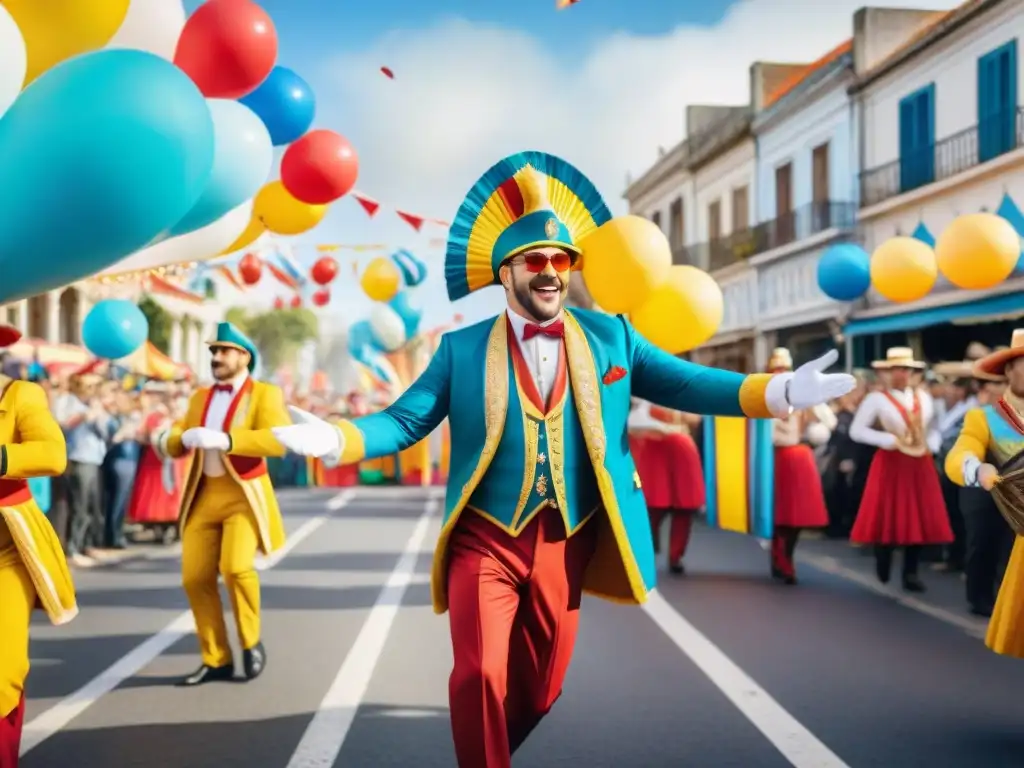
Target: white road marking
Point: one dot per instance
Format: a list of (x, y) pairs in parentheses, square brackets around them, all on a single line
[(972, 626), (49, 722), (324, 736), (305, 530), (797, 744)]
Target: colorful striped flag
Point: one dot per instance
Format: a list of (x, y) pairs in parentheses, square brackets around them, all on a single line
[(739, 473)]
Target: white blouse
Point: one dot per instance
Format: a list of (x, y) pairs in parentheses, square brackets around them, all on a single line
[(786, 432), (877, 408)]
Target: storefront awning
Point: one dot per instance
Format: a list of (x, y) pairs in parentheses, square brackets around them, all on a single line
[(979, 310)]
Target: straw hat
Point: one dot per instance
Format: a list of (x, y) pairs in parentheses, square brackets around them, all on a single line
[(954, 369), (898, 357), (780, 360), (994, 363)]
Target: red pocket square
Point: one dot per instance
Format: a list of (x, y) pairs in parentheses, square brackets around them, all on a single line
[(614, 374)]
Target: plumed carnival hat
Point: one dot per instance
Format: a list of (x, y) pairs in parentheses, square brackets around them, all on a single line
[(229, 336), (528, 200)]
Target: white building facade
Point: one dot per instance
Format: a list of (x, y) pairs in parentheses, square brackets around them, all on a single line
[(806, 202), (941, 133)]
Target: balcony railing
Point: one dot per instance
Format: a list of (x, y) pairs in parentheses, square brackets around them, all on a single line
[(955, 154), (788, 228)]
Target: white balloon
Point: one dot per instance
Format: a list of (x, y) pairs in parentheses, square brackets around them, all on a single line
[(387, 327), (151, 25), (201, 245), (13, 61)]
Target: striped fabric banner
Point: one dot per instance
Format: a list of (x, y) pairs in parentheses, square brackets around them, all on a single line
[(739, 473)]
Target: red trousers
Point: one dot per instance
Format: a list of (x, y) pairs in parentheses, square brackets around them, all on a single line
[(10, 735), (513, 604), (678, 532)]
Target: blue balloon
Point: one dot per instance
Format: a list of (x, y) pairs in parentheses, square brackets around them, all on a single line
[(285, 103), (242, 157), (114, 328), (99, 155), (411, 315), (844, 272)]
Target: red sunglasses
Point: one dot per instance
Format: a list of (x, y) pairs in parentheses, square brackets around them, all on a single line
[(538, 262)]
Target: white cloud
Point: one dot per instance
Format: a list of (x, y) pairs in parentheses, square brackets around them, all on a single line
[(467, 94)]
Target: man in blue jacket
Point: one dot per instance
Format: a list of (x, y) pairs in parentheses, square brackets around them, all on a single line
[(543, 499)]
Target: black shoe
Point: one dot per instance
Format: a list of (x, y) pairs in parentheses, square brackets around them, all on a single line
[(913, 583), (208, 674), (985, 611), (254, 660), (677, 569), (882, 571)]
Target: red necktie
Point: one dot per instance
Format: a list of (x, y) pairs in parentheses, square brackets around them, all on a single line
[(555, 331), (223, 388)]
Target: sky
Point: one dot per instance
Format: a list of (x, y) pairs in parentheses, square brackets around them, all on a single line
[(602, 84)]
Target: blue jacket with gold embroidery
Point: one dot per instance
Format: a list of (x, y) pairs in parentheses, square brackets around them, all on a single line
[(471, 381)]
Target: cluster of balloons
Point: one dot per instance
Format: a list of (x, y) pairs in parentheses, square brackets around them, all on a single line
[(395, 318), (153, 134), (627, 266), (975, 252), (114, 329)]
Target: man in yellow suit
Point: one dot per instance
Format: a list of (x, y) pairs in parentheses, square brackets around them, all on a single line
[(33, 571), (228, 509)]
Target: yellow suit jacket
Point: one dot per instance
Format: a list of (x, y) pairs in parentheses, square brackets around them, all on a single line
[(256, 409), (33, 446)]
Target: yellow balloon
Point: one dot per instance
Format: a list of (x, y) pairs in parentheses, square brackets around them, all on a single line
[(978, 251), (903, 269), (623, 261), (283, 214), (683, 312), (252, 231), (55, 30), (381, 280)]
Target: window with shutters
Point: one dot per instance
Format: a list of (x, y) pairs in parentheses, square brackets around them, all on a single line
[(997, 102), (917, 139)]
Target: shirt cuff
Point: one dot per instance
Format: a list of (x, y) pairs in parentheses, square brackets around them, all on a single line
[(775, 395), (970, 467)]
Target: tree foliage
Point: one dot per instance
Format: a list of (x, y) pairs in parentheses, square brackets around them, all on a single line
[(277, 334), (160, 323)]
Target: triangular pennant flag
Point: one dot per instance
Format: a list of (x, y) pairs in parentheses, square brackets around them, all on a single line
[(1009, 211), (922, 234), (369, 205), (416, 222)]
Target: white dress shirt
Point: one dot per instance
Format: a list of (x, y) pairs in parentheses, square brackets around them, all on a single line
[(876, 408), (541, 353), (220, 402)]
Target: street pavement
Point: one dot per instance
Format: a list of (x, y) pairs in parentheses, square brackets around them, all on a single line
[(721, 668)]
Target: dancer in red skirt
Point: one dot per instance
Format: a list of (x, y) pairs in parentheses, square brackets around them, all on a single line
[(902, 504), (799, 498), (156, 497), (670, 473)]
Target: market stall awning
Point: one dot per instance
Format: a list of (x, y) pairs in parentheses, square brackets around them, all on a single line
[(990, 308), (150, 362), (49, 354)]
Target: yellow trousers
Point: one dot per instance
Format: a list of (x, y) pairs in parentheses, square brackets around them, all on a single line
[(1006, 627), (221, 536), (17, 599)]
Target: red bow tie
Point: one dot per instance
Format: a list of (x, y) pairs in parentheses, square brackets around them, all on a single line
[(555, 330), (229, 388)]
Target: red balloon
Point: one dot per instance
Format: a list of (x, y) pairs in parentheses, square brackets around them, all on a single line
[(278, 303), (324, 271), (319, 168), (250, 269), (321, 297), (227, 47), (296, 302)]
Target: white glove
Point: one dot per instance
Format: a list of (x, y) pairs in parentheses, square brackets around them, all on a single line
[(311, 436), (808, 386), (205, 439)]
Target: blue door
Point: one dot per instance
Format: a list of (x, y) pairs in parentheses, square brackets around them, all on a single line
[(997, 102)]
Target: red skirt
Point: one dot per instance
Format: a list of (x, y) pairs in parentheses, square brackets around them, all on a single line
[(670, 471), (799, 499), (151, 502), (902, 503)]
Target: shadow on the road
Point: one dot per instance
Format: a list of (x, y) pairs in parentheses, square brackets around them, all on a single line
[(64, 664), (395, 737), (267, 743), (273, 597)]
